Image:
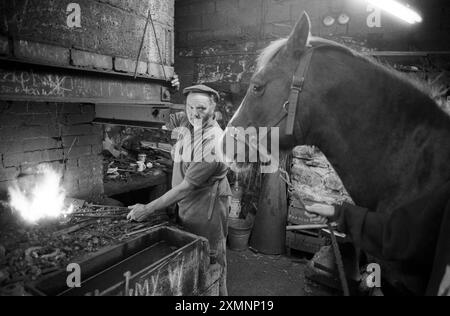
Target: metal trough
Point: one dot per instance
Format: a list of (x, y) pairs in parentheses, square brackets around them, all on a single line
[(164, 262)]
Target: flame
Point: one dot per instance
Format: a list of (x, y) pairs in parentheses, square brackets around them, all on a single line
[(41, 199)]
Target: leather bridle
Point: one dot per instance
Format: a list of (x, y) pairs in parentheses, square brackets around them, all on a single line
[(289, 110)]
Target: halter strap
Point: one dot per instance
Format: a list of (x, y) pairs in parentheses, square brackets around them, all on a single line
[(290, 106), (297, 88)]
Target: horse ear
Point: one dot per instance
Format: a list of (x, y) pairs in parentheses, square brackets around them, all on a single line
[(298, 39)]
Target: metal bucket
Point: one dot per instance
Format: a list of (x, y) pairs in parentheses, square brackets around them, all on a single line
[(239, 231)]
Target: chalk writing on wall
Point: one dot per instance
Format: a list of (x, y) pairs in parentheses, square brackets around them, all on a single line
[(73, 15), (53, 85), (29, 83)]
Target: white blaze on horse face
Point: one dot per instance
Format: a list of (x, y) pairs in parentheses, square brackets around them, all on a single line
[(237, 114)]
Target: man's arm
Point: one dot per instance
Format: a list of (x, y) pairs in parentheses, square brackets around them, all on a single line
[(404, 234), (175, 195), (140, 212)]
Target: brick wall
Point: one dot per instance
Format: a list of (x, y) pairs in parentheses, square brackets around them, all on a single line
[(58, 134), (108, 37)]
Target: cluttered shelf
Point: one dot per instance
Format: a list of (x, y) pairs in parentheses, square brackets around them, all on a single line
[(132, 172), (136, 182)]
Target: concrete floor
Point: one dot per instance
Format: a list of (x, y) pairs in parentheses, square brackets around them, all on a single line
[(251, 274)]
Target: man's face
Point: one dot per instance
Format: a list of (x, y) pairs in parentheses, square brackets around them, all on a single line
[(199, 107)]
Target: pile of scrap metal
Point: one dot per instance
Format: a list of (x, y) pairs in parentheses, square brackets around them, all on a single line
[(124, 167), (28, 253), (124, 147)]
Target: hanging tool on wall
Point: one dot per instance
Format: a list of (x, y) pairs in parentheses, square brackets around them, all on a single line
[(150, 20)]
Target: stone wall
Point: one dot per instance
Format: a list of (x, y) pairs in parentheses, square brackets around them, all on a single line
[(111, 28), (314, 177)]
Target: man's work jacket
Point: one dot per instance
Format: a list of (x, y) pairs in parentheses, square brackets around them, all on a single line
[(204, 212)]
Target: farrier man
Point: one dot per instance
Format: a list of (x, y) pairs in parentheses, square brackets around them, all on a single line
[(200, 186)]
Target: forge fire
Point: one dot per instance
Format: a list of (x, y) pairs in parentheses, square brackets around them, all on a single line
[(40, 198)]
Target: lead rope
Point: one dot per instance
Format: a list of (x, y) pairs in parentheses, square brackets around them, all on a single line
[(339, 261), (337, 252)]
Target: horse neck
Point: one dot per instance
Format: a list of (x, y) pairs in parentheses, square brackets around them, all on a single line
[(387, 141)]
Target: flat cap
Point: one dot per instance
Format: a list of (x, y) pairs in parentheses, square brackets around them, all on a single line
[(201, 89)]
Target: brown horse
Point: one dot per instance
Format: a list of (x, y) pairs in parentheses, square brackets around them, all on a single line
[(386, 138)]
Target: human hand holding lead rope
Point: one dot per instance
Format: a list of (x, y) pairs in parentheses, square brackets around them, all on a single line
[(321, 211), (324, 212)]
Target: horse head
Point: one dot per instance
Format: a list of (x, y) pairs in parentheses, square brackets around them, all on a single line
[(265, 104), (270, 85)]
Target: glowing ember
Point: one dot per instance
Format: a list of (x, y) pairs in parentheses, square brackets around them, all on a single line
[(41, 198)]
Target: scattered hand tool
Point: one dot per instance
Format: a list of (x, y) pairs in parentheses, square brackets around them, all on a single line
[(305, 227), (74, 228)]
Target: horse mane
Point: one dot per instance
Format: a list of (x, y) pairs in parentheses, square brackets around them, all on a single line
[(269, 53), (431, 87)]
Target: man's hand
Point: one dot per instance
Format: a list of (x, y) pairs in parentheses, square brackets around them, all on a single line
[(140, 212), (444, 290), (175, 82), (321, 209)]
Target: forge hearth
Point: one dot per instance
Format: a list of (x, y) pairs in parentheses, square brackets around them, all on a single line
[(29, 253), (164, 261)]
